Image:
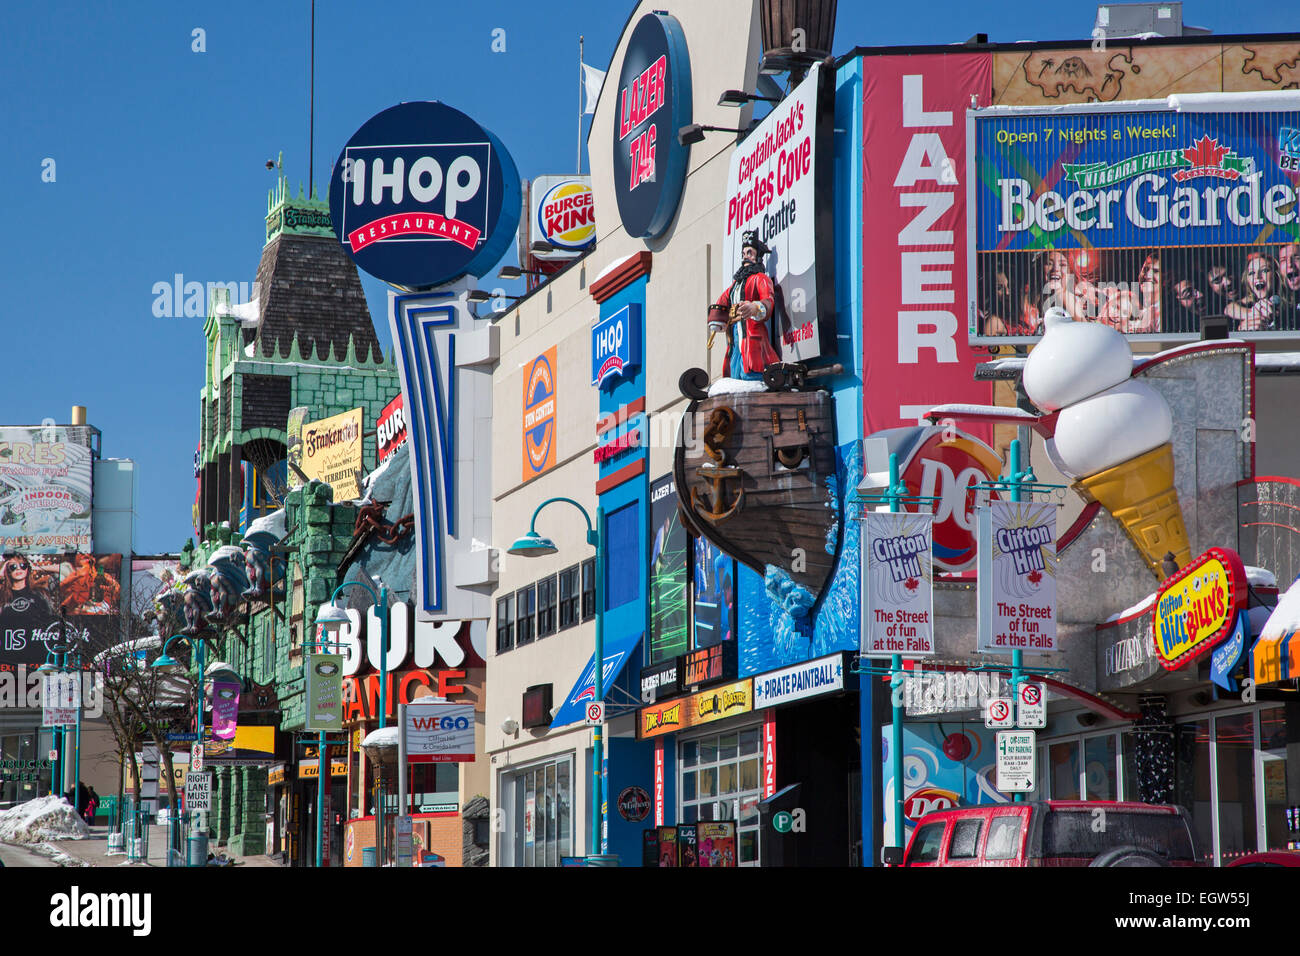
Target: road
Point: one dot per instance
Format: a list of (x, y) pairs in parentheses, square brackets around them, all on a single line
[(11, 855)]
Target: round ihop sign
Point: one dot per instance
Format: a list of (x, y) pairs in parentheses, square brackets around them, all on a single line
[(422, 195), (566, 216), (654, 101)]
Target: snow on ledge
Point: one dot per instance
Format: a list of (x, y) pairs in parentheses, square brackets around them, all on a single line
[(613, 266), (731, 386)]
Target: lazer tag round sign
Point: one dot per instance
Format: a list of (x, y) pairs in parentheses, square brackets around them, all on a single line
[(422, 195), (654, 101)]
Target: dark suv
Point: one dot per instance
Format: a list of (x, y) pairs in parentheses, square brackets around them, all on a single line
[(1054, 833)]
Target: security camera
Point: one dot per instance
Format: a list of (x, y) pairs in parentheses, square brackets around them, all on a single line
[(510, 726)]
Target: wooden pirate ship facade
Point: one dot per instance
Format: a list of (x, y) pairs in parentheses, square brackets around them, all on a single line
[(755, 472)]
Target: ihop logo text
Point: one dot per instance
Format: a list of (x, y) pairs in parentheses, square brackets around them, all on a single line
[(427, 193), (615, 345)]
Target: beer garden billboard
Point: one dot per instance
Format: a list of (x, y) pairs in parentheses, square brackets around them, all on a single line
[(45, 491), (1145, 219)]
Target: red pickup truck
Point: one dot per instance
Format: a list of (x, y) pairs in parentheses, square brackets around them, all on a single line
[(1055, 833)]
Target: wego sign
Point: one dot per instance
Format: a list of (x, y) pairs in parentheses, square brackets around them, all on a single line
[(423, 195), (654, 99)]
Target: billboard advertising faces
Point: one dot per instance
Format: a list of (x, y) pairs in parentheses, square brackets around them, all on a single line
[(1146, 221), (45, 491), (563, 214), (35, 588), (780, 185), (331, 452), (669, 554), (422, 195), (914, 259)]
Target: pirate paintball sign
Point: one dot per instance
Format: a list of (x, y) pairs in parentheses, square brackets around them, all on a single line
[(1017, 577), (422, 195)]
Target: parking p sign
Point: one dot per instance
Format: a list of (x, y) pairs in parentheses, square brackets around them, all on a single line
[(596, 712), (1031, 706)]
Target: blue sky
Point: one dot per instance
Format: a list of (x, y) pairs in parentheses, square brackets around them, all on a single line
[(159, 163)]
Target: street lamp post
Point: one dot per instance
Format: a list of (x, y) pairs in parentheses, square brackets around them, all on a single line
[(534, 545), (166, 664), (331, 618)]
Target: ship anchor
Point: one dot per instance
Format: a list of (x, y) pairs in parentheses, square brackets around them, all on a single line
[(717, 471)]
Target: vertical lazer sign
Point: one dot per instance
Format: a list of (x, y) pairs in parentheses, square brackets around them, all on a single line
[(914, 256)]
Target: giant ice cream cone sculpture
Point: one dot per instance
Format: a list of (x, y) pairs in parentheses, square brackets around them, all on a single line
[(1112, 433)]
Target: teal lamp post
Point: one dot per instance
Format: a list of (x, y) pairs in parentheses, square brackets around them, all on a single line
[(168, 665), (331, 619), (59, 665), (534, 545)]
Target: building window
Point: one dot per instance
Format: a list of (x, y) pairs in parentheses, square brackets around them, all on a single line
[(505, 623), (569, 597), (721, 779), (543, 813), (525, 606), (588, 589), (546, 600), (623, 557)]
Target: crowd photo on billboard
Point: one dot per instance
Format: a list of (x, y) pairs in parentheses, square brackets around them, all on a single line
[(1148, 222)]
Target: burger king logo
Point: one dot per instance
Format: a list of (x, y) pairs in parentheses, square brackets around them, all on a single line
[(566, 216)]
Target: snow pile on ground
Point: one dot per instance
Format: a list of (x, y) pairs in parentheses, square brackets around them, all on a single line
[(57, 855), (45, 818)]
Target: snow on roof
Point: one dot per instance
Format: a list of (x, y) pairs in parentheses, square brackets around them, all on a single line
[(1286, 616), (1269, 100), (1261, 577), (958, 408), (1137, 608), (612, 266), (383, 737), (272, 523)]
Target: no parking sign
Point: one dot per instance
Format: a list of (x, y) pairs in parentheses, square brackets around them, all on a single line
[(596, 712)]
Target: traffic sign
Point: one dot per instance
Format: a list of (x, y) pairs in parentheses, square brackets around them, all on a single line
[(1016, 763), (198, 791), (999, 712), (596, 712), (182, 738), (196, 758), (1031, 706)]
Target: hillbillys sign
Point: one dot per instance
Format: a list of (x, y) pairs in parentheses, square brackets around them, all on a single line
[(702, 708), (654, 100), (779, 185), (422, 195), (1195, 609)]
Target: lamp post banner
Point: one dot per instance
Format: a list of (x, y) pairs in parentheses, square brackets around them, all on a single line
[(225, 709), (324, 693), (900, 585), (1017, 577)]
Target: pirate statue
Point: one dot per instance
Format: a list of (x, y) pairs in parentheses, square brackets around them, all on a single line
[(743, 311)]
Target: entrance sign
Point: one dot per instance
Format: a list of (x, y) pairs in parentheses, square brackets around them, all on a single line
[(1016, 764), (900, 584), (1017, 577), (324, 692)]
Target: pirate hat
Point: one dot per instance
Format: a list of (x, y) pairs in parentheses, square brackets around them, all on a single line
[(750, 238)]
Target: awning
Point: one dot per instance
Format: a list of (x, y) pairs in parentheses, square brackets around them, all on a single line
[(617, 653), (1276, 655)]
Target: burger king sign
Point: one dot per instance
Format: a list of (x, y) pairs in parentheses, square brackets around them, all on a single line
[(563, 214)]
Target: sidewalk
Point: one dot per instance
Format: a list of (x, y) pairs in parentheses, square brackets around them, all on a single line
[(93, 851)]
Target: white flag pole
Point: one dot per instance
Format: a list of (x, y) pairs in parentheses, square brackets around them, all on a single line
[(581, 88)]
